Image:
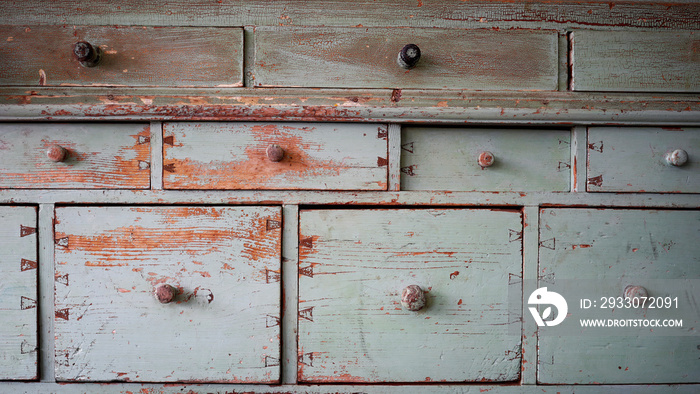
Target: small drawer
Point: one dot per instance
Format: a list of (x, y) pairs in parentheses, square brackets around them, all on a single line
[(664, 160), (309, 156), (485, 159), (634, 61), (603, 254), (75, 156), (164, 294), (369, 58), (18, 293), (453, 269), (120, 56)]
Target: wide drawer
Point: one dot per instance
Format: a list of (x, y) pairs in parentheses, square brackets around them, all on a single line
[(485, 159), (353, 268), (594, 255), (223, 268), (75, 156), (18, 293), (650, 159), (367, 58), (274, 156), (130, 56)]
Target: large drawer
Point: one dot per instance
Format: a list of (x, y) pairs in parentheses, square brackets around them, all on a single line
[(595, 254), (485, 159), (18, 293), (663, 159), (129, 56), (353, 268), (311, 156), (218, 321), (367, 58)]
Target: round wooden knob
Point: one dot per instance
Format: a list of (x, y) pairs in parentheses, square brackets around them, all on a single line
[(413, 298), (87, 54), (165, 293), (56, 153), (486, 159), (633, 291), (275, 152), (677, 157), (409, 56)]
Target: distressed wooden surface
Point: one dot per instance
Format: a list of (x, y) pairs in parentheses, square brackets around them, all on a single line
[(649, 61), (233, 156), (222, 327), (366, 58), (18, 293), (633, 160), (353, 265), (610, 249), (100, 156), (435, 158), (132, 56)]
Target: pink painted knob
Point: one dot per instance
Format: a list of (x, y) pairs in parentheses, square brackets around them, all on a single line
[(56, 153), (275, 153), (165, 293), (633, 292), (413, 298), (677, 157), (486, 159)]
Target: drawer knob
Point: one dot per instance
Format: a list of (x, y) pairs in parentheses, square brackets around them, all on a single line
[(413, 298), (165, 293), (486, 159), (56, 153), (633, 291), (409, 56), (275, 152), (86, 54), (677, 157)]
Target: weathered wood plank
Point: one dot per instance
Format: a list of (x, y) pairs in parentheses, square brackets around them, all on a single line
[(649, 61), (634, 160), (434, 158), (587, 253), (353, 265), (46, 293), (224, 323), (234, 156), (98, 156), (131, 56), (18, 293), (367, 58)]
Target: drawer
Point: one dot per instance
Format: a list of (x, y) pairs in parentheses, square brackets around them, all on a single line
[(18, 293), (633, 61), (353, 268), (129, 56), (75, 156), (311, 156), (594, 253), (485, 159), (643, 159), (216, 271), (367, 58)]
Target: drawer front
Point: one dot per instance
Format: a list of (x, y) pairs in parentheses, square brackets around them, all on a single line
[(593, 253), (367, 58), (18, 293), (643, 160), (75, 156), (633, 61), (310, 156), (130, 56), (353, 267), (223, 266), (457, 159)]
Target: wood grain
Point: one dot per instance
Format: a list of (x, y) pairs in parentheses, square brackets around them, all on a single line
[(353, 265), (366, 58)]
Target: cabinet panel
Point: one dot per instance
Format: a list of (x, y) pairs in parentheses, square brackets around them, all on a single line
[(354, 266), (223, 266)]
